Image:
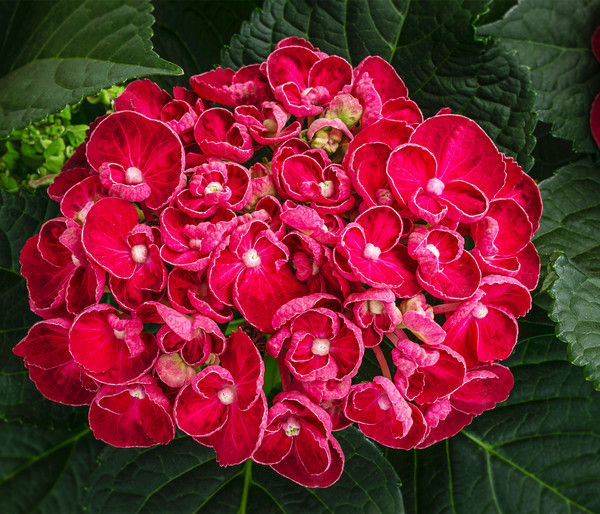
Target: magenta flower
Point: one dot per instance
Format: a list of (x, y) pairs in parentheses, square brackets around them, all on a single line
[(247, 86), (250, 270), (137, 414), (60, 279), (311, 177), (446, 269), (268, 125), (427, 372), (323, 345), (450, 168), (138, 159), (483, 388), (375, 255), (314, 265), (111, 347), (484, 328), (418, 317), (189, 242), (194, 339), (304, 81), (312, 201), (225, 406), (217, 133), (113, 239), (52, 367), (375, 83), (374, 308), (189, 292), (215, 184), (384, 415), (298, 442)]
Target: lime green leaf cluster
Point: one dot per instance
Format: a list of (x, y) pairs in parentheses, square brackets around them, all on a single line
[(33, 156)]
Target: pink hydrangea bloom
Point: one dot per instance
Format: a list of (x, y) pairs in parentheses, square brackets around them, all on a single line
[(306, 207)]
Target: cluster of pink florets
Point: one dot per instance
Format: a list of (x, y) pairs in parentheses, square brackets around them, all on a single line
[(313, 199)]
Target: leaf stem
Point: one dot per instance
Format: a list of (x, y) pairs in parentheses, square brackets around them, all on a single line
[(247, 480)]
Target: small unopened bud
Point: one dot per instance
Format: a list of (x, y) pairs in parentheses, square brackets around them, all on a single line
[(327, 140), (346, 108)]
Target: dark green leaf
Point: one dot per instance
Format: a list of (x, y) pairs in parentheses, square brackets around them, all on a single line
[(42, 470), (192, 33), (571, 219), (21, 217), (553, 40), (537, 452), (430, 43), (576, 309), (56, 52), (550, 153), (186, 474)]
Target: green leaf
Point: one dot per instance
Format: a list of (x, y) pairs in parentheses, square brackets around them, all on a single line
[(186, 474), (571, 219), (177, 38), (553, 40), (537, 452), (21, 216), (430, 43), (550, 153), (576, 309), (55, 53), (42, 470)]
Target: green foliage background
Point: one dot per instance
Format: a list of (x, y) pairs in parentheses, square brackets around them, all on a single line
[(525, 72)]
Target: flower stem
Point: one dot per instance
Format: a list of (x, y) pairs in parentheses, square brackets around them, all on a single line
[(247, 479), (446, 307), (385, 370)]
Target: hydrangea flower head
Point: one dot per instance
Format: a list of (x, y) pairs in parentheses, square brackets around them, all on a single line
[(300, 210)]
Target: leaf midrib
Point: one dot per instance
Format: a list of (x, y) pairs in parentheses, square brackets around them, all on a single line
[(490, 450)]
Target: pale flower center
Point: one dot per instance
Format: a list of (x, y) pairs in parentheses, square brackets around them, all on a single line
[(384, 402), (251, 258), (119, 334), (305, 92), (320, 346), (375, 307), (138, 392), (75, 260), (327, 188), (434, 187), (291, 426), (227, 395), (384, 197), (139, 253), (133, 176), (196, 244), (371, 252), (479, 311), (433, 249), (213, 187), (315, 269), (271, 125)]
